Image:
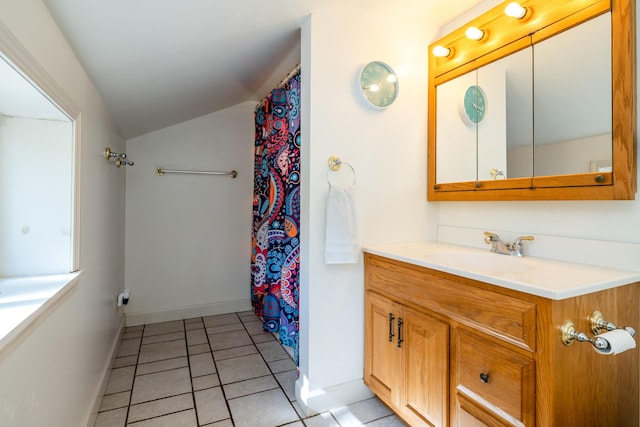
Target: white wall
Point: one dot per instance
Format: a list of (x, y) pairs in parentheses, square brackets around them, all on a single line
[(388, 152), (52, 375), (457, 141), (188, 237)]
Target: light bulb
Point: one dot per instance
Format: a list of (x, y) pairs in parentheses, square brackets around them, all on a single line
[(514, 10), (441, 51), (474, 33)]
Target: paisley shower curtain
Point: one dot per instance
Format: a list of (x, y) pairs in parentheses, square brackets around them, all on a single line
[(275, 257)]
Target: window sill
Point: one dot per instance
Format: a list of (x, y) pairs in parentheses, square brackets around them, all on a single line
[(24, 299)]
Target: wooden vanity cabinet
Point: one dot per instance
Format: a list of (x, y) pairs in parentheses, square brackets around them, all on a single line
[(407, 366), (443, 350)]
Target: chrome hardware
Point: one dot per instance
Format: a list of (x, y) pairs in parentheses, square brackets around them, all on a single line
[(496, 174), (121, 162), (517, 248), (108, 154), (498, 246), (570, 334), (162, 171), (120, 158), (598, 323), (335, 163)]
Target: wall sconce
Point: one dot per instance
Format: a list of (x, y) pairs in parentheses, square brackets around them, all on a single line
[(441, 51), (514, 10), (474, 33)]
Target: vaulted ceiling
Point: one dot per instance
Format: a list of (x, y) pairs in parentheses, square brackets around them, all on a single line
[(160, 62)]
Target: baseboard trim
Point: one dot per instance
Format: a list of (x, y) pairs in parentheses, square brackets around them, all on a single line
[(104, 378), (314, 402), (169, 314)]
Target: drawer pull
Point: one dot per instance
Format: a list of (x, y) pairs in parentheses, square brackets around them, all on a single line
[(391, 327), (400, 340), (484, 378)]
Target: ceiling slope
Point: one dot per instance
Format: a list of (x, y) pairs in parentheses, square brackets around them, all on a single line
[(161, 62)]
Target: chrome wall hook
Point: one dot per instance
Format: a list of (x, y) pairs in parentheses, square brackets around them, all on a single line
[(122, 162), (120, 158)]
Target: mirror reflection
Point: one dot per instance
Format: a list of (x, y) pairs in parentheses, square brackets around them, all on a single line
[(544, 110), (572, 100), (508, 84), (457, 139)]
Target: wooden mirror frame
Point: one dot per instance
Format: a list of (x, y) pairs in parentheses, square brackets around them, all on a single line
[(505, 35)]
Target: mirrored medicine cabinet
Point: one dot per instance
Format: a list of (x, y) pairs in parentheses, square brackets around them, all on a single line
[(540, 107)]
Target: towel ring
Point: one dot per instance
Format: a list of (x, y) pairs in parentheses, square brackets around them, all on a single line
[(335, 163)]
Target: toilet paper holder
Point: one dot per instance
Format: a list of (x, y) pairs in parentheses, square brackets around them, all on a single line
[(598, 323)]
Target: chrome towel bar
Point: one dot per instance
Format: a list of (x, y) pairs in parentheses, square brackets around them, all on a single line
[(162, 171)]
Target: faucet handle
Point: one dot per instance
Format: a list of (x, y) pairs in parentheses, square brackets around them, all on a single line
[(490, 237), (517, 248)]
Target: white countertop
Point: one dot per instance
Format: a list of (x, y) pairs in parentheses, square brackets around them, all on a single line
[(537, 276)]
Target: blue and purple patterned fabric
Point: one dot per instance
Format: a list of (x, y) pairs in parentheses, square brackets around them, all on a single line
[(275, 257)]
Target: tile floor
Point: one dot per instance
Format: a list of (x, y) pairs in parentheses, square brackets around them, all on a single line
[(217, 371)]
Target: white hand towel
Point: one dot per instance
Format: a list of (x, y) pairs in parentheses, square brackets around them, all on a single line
[(341, 234)]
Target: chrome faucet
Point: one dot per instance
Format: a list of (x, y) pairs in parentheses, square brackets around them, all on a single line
[(498, 246)]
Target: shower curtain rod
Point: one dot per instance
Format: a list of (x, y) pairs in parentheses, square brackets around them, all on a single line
[(280, 85)]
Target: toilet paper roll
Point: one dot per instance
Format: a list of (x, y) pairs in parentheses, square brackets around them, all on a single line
[(617, 341)]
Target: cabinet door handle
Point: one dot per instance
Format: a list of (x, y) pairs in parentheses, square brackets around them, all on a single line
[(400, 340), (391, 327), (484, 377)]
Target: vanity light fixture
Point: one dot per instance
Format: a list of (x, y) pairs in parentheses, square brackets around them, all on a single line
[(441, 51), (474, 33), (514, 10)]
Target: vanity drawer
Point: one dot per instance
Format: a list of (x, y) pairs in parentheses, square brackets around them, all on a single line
[(503, 316), (494, 377)]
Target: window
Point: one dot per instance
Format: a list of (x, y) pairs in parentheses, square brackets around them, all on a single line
[(39, 163), (38, 234)]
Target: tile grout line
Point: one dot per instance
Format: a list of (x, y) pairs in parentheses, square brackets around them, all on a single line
[(215, 365), (193, 393), (135, 371)]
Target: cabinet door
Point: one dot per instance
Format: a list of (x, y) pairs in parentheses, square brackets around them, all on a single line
[(380, 354), (425, 359)]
